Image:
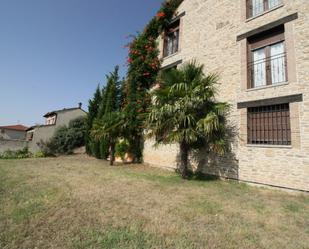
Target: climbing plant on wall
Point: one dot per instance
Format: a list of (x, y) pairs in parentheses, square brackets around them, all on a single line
[(143, 67)]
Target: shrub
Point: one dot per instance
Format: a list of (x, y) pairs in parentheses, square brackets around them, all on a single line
[(47, 148), (66, 138), (78, 127), (39, 154), (19, 154), (121, 149)]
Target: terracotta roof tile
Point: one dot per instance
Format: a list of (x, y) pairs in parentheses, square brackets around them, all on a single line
[(15, 127)]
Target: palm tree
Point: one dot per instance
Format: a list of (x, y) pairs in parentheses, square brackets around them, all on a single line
[(110, 129), (184, 111)]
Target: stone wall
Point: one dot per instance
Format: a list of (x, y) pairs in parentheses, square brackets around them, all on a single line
[(41, 134), (208, 34), (161, 156), (12, 145)]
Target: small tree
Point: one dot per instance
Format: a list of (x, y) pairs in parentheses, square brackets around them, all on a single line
[(184, 111), (109, 128), (105, 101), (92, 147)]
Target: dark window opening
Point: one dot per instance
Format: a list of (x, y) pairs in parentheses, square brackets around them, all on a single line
[(29, 136), (171, 39), (269, 125)]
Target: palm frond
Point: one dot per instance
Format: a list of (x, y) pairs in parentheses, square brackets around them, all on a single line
[(185, 110), (209, 124)]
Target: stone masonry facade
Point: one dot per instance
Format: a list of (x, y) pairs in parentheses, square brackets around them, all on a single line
[(214, 33)]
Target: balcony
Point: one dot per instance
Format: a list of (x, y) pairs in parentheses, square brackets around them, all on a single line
[(268, 71)]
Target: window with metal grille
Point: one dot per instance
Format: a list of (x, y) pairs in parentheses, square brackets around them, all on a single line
[(171, 39), (269, 125)]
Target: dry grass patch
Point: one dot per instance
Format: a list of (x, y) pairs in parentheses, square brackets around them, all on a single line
[(80, 202)]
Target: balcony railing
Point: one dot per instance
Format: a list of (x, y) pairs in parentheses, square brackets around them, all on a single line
[(268, 71)]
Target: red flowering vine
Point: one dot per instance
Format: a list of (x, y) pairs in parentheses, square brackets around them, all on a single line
[(143, 51), (161, 14)]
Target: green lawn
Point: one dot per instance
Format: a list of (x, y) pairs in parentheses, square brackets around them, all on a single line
[(79, 202)]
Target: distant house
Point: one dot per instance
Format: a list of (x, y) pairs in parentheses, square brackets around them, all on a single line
[(13, 137), (53, 120), (13, 132)]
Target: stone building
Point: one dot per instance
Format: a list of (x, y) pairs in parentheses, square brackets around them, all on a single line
[(53, 120), (260, 49), (13, 137)]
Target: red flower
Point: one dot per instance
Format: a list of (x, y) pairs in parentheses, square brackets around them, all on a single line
[(146, 74), (130, 60), (161, 14), (135, 52)]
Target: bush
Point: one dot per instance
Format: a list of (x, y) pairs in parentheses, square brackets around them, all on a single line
[(78, 127), (39, 154), (121, 149), (19, 154), (66, 139)]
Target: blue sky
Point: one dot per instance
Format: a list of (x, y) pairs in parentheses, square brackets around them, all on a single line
[(53, 53)]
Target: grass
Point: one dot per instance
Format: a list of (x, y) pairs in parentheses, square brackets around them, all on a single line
[(78, 202)]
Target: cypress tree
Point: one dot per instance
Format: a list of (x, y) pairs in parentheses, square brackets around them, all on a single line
[(112, 91), (110, 103), (93, 110)]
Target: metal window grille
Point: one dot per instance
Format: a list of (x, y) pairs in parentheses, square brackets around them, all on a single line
[(269, 125), (269, 71)]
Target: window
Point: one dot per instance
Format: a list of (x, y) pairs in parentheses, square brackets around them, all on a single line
[(29, 136), (171, 39), (257, 7), (267, 59), (269, 125), (50, 120)]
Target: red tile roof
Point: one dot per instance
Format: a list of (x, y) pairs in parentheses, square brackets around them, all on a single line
[(15, 127)]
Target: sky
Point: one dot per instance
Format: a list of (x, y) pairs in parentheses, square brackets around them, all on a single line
[(54, 53)]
